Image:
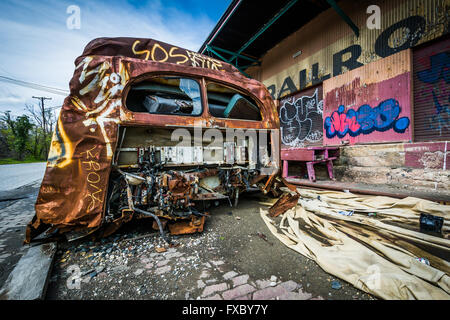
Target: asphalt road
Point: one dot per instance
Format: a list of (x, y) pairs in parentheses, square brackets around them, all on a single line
[(19, 186), (16, 175)]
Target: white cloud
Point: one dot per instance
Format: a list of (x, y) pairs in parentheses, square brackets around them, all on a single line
[(12, 99), (38, 47)]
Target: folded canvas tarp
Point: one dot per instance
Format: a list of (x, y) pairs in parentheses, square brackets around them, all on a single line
[(376, 253)]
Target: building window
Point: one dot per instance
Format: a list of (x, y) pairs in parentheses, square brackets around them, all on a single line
[(224, 102), (166, 95)]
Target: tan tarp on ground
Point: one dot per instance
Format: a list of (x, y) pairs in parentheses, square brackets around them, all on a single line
[(375, 254)]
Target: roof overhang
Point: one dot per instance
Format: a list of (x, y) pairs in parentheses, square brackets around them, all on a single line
[(245, 33)]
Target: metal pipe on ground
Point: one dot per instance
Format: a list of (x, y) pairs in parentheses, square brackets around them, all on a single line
[(161, 231), (337, 187)]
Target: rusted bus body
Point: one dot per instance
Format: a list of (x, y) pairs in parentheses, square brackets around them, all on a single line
[(100, 147)]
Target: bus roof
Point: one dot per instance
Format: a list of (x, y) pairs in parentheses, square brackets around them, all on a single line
[(153, 50)]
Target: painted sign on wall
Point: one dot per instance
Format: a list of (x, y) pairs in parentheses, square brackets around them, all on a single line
[(366, 120), (404, 24), (301, 119), (432, 91), (369, 104)]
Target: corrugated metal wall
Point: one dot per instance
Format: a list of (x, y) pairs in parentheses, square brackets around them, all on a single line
[(370, 104), (329, 47), (431, 65), (301, 119)]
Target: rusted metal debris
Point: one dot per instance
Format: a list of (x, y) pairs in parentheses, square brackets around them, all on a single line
[(287, 201), (184, 227), (284, 203)]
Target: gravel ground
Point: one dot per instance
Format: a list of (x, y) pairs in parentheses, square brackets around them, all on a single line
[(236, 257)]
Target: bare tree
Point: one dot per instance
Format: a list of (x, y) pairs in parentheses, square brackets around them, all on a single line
[(45, 118)]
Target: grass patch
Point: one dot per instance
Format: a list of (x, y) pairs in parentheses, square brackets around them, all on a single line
[(14, 161)]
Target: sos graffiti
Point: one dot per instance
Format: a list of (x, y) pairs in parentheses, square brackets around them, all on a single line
[(366, 120), (160, 54), (382, 47)]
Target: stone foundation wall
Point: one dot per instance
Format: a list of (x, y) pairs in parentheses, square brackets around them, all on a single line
[(411, 166)]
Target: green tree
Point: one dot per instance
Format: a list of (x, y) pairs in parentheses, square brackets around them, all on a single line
[(23, 127), (19, 133)]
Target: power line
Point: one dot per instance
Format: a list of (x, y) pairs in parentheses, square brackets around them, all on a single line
[(36, 86), (4, 70), (40, 85), (53, 108)]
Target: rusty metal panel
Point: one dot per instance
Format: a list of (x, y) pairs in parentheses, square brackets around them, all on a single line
[(431, 66), (371, 104), (329, 47), (301, 119)]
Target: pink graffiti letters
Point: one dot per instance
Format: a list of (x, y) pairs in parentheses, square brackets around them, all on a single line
[(366, 120), (340, 123)]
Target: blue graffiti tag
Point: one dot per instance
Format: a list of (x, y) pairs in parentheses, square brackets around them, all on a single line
[(441, 120), (366, 120), (440, 69)]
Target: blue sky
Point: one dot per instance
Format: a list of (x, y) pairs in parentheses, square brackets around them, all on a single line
[(38, 47)]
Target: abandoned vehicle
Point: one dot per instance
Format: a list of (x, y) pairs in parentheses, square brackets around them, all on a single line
[(153, 130)]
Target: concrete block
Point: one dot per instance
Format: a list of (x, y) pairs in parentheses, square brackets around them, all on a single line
[(28, 280)]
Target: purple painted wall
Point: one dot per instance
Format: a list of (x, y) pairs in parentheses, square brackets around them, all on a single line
[(371, 104)]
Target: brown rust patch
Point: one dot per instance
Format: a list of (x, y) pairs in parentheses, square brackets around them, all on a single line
[(284, 203), (185, 227)]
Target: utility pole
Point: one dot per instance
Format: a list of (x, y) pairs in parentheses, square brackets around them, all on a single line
[(44, 124)]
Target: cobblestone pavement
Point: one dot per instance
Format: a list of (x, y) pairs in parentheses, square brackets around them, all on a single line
[(217, 280), (227, 261), (213, 279)]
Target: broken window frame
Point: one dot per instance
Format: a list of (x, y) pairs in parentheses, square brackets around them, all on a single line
[(148, 77), (255, 100), (203, 84)]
